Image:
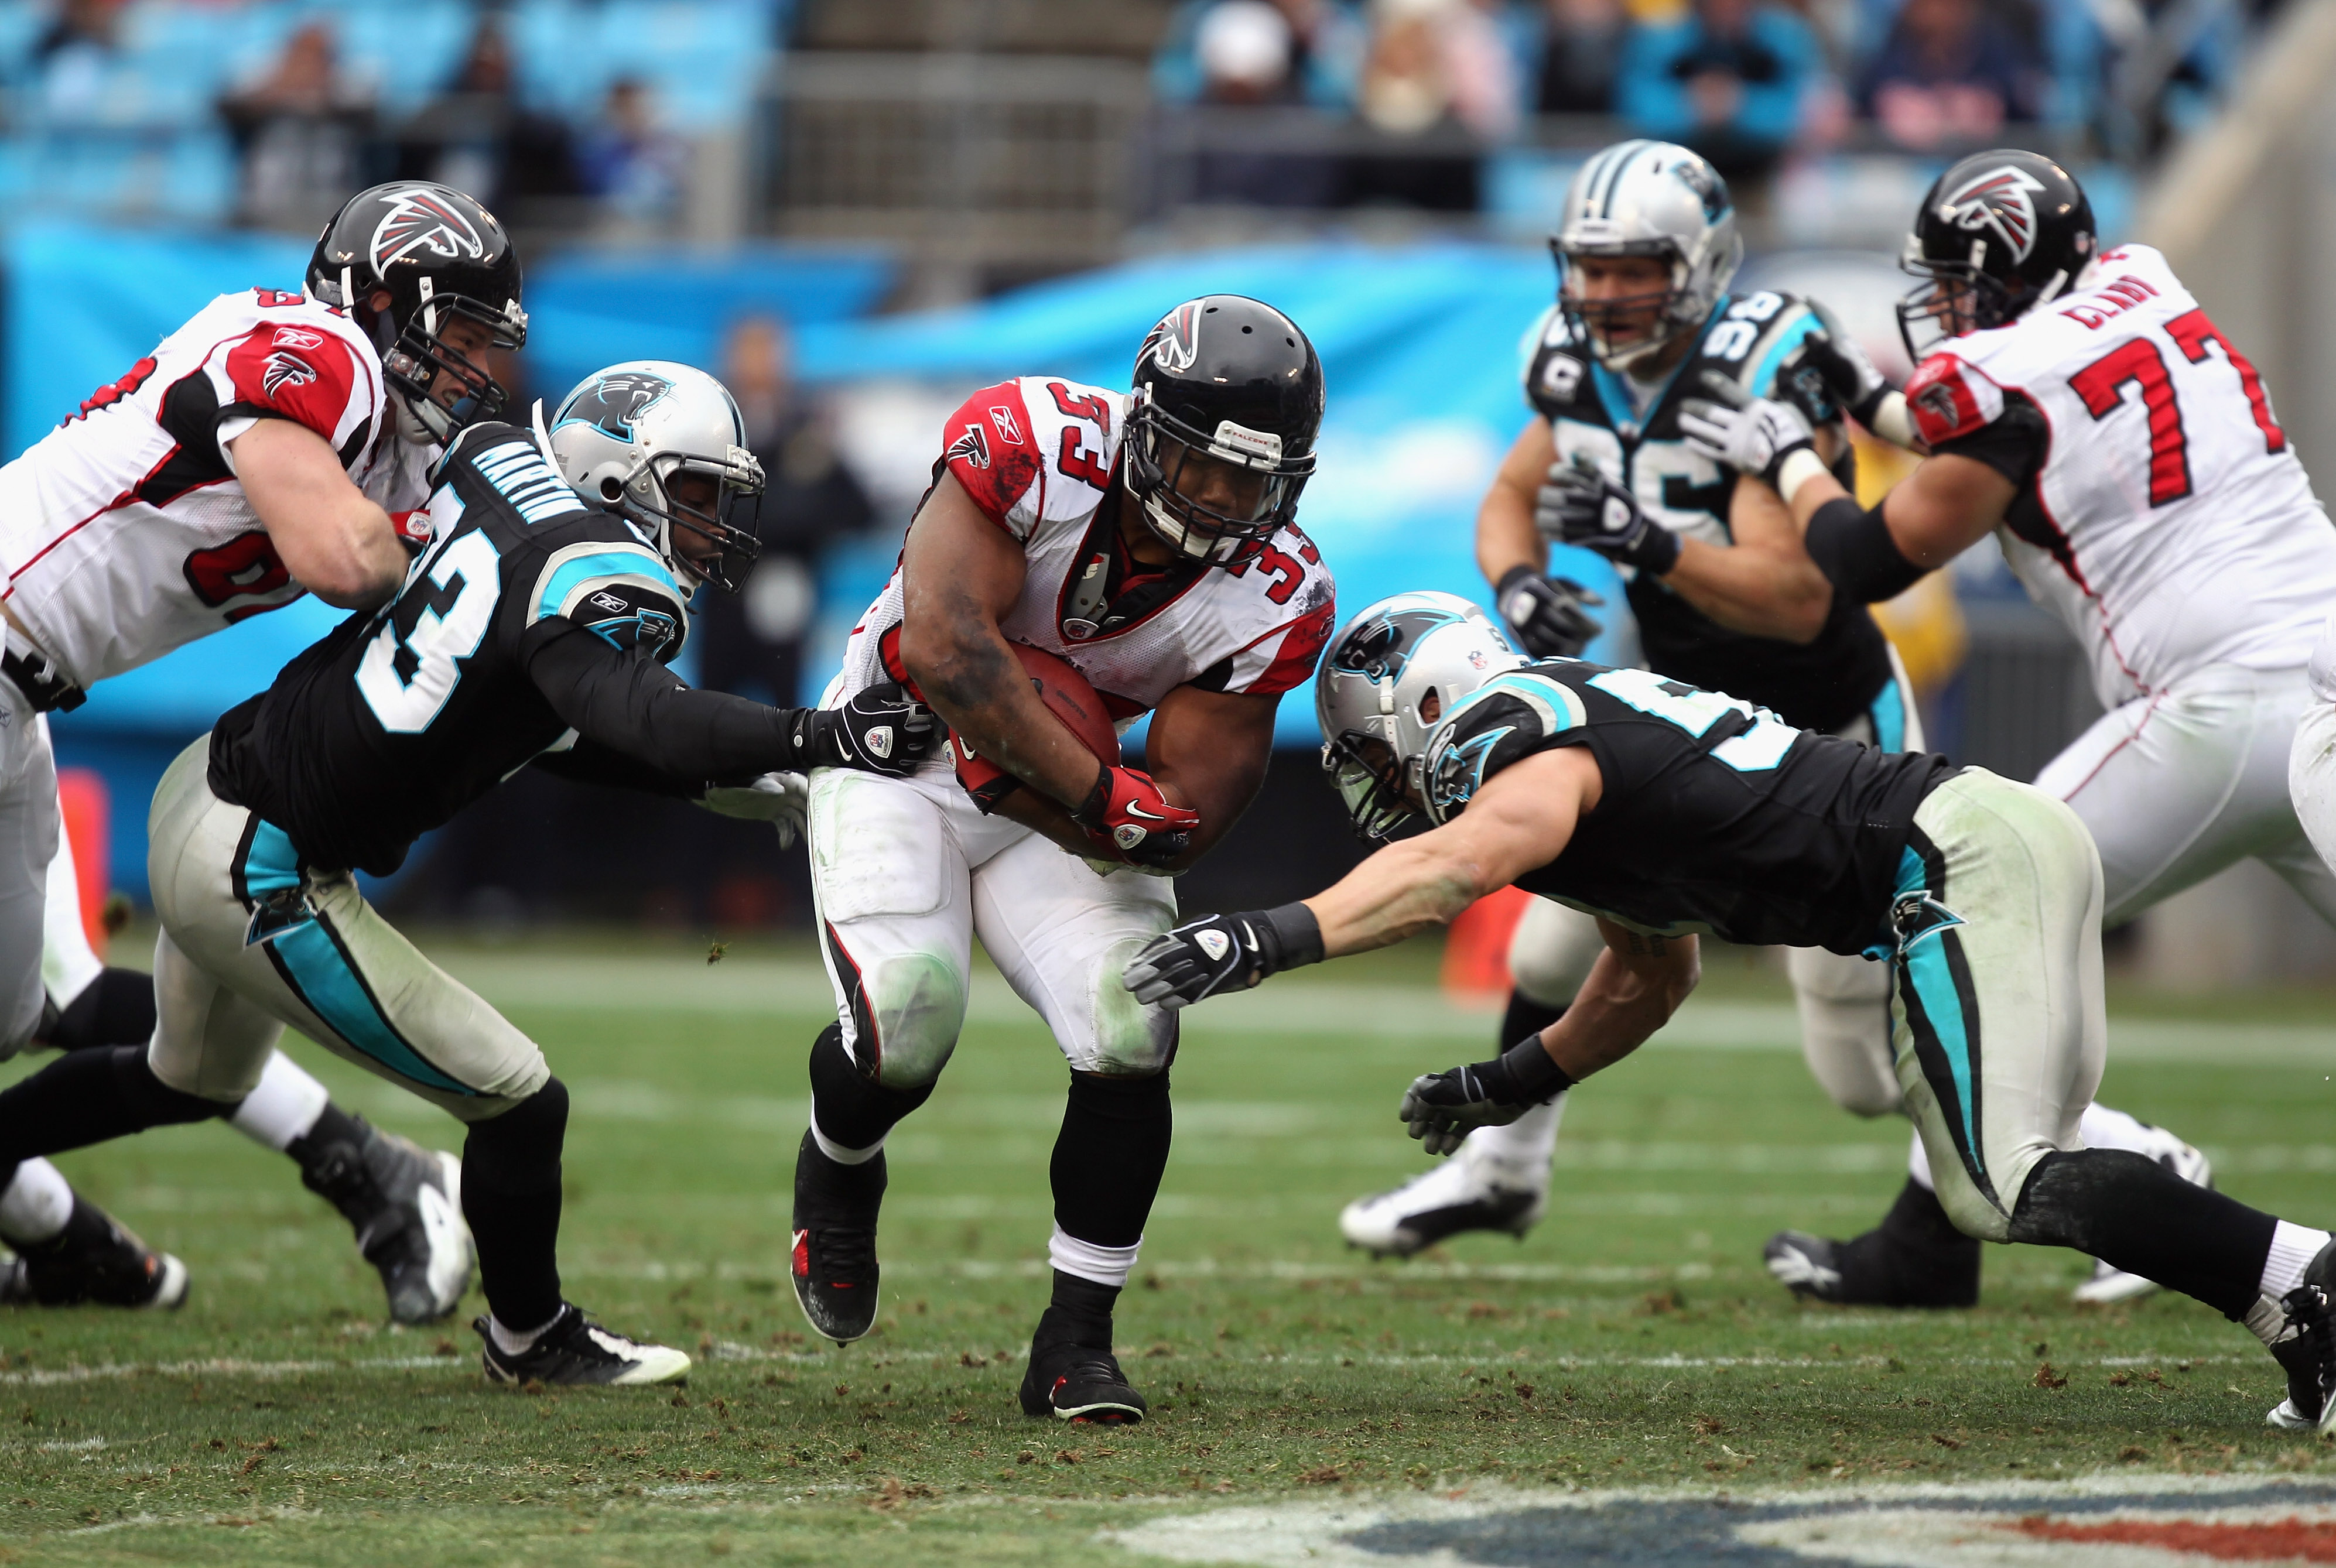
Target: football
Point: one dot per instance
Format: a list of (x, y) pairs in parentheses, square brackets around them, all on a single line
[(1065, 692)]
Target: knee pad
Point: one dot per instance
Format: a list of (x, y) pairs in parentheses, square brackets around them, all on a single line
[(1130, 1040), (1550, 954), (852, 1110), (907, 1018)]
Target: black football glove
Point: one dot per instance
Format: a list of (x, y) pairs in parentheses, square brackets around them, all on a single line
[(1753, 435), (1850, 379), (882, 730), (1545, 614), (1581, 505), (1223, 953), (1442, 1108)]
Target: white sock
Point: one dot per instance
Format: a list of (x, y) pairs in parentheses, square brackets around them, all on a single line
[(512, 1344), (1104, 1265), (837, 1151), (1518, 1154), (1918, 1164), (36, 1204), (2293, 1248), (2267, 1322), (284, 1106), (2104, 1129)]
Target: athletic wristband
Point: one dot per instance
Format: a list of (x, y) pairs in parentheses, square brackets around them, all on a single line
[(1537, 1079), (1296, 935), (1852, 546), (1800, 465)]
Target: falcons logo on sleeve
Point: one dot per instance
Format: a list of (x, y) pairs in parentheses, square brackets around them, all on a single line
[(972, 447), (285, 369)]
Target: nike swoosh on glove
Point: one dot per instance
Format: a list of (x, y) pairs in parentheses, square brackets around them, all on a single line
[(1582, 506), (780, 799), (1127, 812), (1202, 957), (1545, 614), (1750, 434), (882, 730), (1442, 1108)]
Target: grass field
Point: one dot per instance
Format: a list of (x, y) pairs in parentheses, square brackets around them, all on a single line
[(1632, 1339)]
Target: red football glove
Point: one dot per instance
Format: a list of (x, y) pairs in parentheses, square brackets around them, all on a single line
[(412, 530), (1126, 810), (984, 780)]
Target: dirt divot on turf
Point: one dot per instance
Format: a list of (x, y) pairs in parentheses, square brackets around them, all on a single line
[(2121, 1521)]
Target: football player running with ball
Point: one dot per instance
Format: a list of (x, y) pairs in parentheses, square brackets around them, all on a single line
[(1146, 537), (268, 448), (535, 627), (1666, 812), (2080, 405)]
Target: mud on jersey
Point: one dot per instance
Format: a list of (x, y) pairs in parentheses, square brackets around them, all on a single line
[(1821, 684), (1039, 457), (1714, 816), (403, 716), (2162, 512), (123, 532)]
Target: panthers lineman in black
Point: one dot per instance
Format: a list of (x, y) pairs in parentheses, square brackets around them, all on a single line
[(531, 628)]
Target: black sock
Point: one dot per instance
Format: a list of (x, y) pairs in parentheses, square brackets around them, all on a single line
[(510, 1195), (117, 1008), (854, 1111), (2133, 1214), (1914, 1258), (1078, 1313), (319, 1151), (829, 1192), (1525, 1016), (1110, 1155), (89, 1097)]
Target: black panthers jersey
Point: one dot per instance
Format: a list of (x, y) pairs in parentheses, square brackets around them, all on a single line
[(1821, 684), (1715, 816), (532, 623)]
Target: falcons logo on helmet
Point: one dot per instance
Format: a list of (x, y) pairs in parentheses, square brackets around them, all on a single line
[(613, 402), (283, 370), (1175, 343), (422, 221), (2004, 201)]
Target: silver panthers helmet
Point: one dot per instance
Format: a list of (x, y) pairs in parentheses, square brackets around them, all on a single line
[(1646, 198), (1393, 671), (626, 433)]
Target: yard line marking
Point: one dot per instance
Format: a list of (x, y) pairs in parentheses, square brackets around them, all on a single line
[(44, 1377)]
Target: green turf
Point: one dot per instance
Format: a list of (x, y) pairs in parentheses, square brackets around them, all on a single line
[(1633, 1339)]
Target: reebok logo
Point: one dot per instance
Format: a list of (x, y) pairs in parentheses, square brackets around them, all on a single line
[(1010, 429), (297, 337)]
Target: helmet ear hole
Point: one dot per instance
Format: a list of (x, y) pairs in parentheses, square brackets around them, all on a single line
[(610, 489)]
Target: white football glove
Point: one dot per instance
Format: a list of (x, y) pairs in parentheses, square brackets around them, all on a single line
[(1752, 435), (780, 799)]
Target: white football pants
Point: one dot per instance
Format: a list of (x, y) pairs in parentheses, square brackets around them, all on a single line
[(907, 871), (29, 832)]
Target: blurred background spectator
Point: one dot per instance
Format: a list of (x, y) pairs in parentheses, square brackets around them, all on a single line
[(625, 159), (478, 135), (751, 641), (1439, 74), (1729, 79), (1950, 76), (302, 130), (1320, 55), (1581, 52)]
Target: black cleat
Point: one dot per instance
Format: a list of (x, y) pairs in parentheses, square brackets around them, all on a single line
[(578, 1352), (1914, 1258), (2308, 1353), (405, 1204), (94, 1259), (1079, 1383), (834, 1265)]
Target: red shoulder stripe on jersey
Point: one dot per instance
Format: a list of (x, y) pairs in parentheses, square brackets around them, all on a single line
[(1300, 650), (299, 372), (1950, 398), (987, 445)]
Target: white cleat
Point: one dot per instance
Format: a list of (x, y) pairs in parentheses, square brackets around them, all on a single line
[(2108, 1286), (1447, 1201)]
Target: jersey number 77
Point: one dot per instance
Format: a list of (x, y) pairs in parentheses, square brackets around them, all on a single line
[(2138, 362)]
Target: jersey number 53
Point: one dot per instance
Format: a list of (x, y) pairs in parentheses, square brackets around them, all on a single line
[(406, 679)]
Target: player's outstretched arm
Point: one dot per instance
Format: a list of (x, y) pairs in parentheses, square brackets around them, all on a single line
[(336, 543)]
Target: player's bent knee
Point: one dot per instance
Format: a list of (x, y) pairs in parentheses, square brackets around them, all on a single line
[(1970, 1209), (915, 1003), (1127, 1040)]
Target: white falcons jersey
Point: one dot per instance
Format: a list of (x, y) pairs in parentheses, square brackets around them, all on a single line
[(2169, 524), (1038, 455), (123, 532)]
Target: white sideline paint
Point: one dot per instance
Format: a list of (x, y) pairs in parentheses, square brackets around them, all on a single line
[(45, 1377)]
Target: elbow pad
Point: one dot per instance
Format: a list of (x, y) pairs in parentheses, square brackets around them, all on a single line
[(1853, 546)]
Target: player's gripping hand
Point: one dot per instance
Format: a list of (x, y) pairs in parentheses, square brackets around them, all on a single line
[(1223, 953), (1442, 1108), (1579, 505), (780, 799), (1545, 614), (1834, 360), (882, 730), (1127, 811), (1753, 435)]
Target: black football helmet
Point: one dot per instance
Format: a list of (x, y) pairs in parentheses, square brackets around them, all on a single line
[(1998, 233), (439, 256), (1234, 380)]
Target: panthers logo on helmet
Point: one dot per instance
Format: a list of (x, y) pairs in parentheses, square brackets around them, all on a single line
[(2002, 200), (1175, 343), (614, 403), (420, 219), (284, 370)]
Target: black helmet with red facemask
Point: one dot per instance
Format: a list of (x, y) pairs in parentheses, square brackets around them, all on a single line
[(440, 257), (1232, 381)]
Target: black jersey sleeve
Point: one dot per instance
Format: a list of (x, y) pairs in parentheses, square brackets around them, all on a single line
[(588, 762), (626, 701)]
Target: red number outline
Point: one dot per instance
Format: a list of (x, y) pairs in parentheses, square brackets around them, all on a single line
[(2102, 385), (2192, 332), (245, 567), (114, 391), (1073, 460)]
